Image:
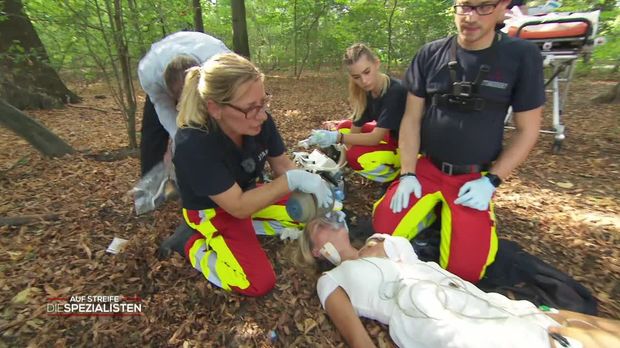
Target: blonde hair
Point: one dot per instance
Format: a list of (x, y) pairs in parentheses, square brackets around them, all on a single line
[(357, 95), (219, 80), (175, 70), (304, 256)]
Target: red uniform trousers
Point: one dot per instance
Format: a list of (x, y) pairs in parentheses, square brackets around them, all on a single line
[(468, 237), (380, 163), (227, 252)]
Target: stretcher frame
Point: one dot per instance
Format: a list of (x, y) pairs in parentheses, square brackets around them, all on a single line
[(560, 65)]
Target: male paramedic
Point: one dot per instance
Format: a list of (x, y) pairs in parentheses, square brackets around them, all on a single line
[(459, 90), (162, 73)]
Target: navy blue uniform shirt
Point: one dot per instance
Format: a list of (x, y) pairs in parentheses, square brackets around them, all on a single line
[(209, 163), (516, 79), (387, 109)]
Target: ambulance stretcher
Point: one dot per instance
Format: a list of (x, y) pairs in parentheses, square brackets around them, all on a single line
[(562, 37)]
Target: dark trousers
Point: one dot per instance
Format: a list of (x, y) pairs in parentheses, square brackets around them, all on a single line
[(154, 139)]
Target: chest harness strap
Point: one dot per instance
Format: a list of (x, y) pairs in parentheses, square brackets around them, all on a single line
[(465, 96)]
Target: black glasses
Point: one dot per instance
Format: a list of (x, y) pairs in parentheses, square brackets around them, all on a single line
[(482, 10), (253, 111)]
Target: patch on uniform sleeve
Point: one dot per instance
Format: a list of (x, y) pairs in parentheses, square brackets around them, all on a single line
[(495, 84)]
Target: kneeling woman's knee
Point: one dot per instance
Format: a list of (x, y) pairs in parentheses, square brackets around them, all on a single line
[(260, 284)]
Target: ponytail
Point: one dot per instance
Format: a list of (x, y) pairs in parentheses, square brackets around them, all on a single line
[(217, 80), (192, 110)]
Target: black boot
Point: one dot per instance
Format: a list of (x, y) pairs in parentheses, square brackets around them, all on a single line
[(176, 242)]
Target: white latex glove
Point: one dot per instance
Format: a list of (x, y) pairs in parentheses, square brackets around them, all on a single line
[(336, 216), (407, 185), (476, 194), (299, 179), (290, 233), (323, 138)]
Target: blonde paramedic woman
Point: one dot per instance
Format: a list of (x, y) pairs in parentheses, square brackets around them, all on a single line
[(378, 103), (225, 137)]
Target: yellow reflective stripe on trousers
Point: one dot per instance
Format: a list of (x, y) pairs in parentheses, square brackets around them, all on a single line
[(419, 217), (204, 261), (272, 219), (494, 242), (379, 166), (213, 257), (445, 235), (205, 227), (226, 266)]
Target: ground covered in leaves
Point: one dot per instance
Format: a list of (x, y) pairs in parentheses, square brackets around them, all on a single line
[(564, 208)]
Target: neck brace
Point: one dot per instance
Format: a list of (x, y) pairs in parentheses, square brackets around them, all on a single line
[(330, 253)]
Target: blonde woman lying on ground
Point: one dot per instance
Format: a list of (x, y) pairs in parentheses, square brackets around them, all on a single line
[(427, 306)]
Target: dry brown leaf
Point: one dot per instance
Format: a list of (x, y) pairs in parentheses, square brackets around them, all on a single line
[(565, 185), (309, 324), (547, 219)]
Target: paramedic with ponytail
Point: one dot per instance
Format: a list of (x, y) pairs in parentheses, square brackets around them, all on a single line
[(460, 89), (225, 137), (378, 102)]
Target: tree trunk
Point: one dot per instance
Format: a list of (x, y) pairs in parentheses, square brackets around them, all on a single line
[(611, 96), (317, 15), (135, 22), (26, 78), (46, 142), (127, 89), (389, 55), (197, 9), (295, 36), (240, 28)]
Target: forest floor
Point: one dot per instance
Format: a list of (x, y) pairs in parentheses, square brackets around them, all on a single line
[(564, 208)]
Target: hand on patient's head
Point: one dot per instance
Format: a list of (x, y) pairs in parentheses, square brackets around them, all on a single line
[(338, 217)]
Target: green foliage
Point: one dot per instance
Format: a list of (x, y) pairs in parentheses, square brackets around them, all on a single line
[(283, 34)]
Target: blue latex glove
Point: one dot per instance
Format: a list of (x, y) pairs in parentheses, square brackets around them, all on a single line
[(299, 179), (476, 194), (323, 138), (406, 186)]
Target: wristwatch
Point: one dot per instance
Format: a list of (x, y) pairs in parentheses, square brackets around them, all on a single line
[(494, 179)]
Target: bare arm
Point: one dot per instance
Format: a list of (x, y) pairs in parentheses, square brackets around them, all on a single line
[(166, 112), (527, 127), (355, 129), (342, 314), (367, 139), (242, 204), (280, 164), (409, 135)]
